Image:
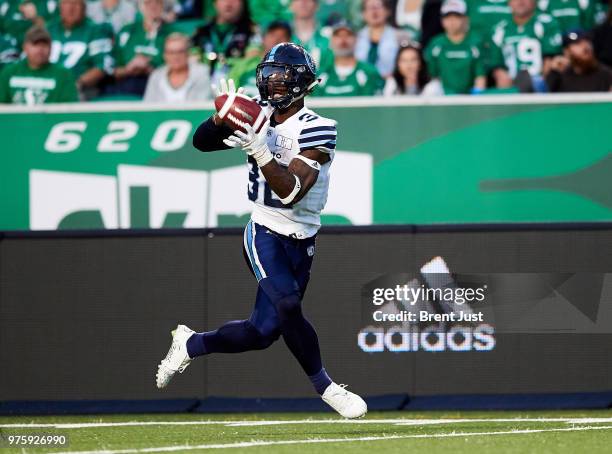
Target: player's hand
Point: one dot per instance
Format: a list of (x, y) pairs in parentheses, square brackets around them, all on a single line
[(227, 87), (249, 141), (254, 144)]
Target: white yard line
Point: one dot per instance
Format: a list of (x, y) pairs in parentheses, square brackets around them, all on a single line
[(255, 443), (247, 423)]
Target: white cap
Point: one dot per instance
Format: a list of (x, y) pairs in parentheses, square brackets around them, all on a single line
[(453, 7)]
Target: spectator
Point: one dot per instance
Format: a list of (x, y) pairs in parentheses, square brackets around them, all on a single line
[(34, 80), (179, 80), (116, 13), (527, 44), (377, 42), (602, 40), (189, 9), (306, 31), (454, 56), (486, 14), (243, 73), (583, 72), (139, 48), (601, 9), (348, 76), (16, 17), (81, 46), (571, 14), (430, 21), (331, 12), (409, 75), (9, 52), (227, 35), (408, 17), (264, 12)]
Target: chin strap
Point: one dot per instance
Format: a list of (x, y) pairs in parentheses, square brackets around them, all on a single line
[(304, 93)]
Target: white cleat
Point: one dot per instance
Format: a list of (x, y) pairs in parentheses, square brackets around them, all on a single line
[(348, 404), (177, 358)]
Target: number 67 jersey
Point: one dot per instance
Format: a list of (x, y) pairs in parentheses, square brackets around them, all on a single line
[(304, 130)]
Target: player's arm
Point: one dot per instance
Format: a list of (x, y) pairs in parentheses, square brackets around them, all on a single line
[(291, 184), (210, 135)]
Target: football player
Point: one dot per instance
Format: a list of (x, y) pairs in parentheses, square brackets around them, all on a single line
[(289, 162)]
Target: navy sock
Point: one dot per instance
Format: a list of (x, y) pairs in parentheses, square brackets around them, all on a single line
[(233, 337), (320, 381), (195, 345)]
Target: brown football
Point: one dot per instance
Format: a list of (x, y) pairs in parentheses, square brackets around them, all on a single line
[(236, 110)]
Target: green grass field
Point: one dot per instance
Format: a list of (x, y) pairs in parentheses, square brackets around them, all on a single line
[(388, 432)]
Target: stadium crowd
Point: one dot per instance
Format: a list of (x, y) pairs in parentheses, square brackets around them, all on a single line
[(176, 50)]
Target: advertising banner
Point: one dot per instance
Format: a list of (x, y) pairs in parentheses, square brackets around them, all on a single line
[(113, 166), (455, 312)]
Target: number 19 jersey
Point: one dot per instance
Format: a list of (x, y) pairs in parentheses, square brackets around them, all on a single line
[(302, 131)]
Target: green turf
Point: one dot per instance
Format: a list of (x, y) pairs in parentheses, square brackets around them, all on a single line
[(428, 435)]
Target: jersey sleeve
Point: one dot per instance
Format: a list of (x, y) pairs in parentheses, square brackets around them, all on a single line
[(551, 42), (320, 135), (68, 92), (119, 49), (209, 137), (5, 94), (100, 48), (479, 67), (431, 59)]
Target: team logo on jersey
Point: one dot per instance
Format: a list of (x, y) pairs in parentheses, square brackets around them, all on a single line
[(310, 251), (284, 142)]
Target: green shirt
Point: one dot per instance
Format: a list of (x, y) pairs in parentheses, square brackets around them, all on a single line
[(265, 11), (20, 84), (9, 52), (364, 80), (571, 14), (457, 65), (524, 47), (133, 40), (485, 14), (86, 46), (13, 22), (318, 47)]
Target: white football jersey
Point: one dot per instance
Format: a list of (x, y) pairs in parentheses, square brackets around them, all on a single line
[(302, 131)]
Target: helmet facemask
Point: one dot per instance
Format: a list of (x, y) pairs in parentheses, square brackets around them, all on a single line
[(278, 84)]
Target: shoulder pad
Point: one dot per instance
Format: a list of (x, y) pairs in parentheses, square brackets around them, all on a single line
[(317, 132)]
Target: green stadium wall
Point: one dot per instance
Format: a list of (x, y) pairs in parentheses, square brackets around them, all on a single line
[(454, 160)]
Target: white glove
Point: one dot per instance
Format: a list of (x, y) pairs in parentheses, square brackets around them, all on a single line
[(227, 87), (254, 144)]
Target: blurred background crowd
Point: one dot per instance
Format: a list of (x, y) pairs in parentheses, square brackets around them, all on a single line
[(175, 50)]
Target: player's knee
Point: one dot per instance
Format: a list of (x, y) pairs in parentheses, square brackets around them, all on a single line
[(289, 307), (263, 336), (266, 341)]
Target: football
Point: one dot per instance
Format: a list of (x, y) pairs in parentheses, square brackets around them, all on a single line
[(236, 110)]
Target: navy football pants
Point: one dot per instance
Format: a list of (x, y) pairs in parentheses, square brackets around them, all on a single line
[(282, 268)]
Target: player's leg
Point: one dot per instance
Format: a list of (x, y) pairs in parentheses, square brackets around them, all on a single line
[(283, 275), (286, 292), (256, 333)]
